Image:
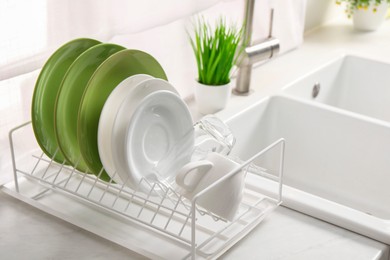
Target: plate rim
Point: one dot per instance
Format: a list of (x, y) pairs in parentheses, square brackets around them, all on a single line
[(107, 130), (91, 84), (62, 86), (46, 68)]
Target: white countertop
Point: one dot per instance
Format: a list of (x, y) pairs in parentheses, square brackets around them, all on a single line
[(27, 233)]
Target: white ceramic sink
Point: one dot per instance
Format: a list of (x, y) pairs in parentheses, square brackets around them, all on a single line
[(349, 82), (337, 163)]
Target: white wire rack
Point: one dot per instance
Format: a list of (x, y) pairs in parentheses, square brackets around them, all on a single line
[(157, 224)]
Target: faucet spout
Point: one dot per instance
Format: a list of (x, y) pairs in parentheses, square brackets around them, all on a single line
[(253, 52)]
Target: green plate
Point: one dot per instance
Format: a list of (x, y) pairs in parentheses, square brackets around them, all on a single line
[(45, 93), (114, 70), (69, 98)]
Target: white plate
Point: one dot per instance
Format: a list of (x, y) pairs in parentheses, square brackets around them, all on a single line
[(160, 130), (106, 121), (122, 120)]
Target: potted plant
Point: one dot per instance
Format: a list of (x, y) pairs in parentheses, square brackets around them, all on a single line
[(216, 52), (367, 15)]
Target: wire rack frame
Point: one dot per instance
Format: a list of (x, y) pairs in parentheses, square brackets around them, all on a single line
[(162, 209)]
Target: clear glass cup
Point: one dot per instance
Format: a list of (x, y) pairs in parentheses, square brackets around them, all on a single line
[(208, 135), (212, 135)]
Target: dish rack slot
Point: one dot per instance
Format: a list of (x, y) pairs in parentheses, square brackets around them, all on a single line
[(161, 213)]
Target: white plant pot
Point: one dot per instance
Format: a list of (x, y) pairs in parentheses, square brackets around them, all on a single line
[(368, 20), (210, 99)]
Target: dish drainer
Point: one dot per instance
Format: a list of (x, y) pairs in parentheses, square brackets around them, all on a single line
[(160, 224)]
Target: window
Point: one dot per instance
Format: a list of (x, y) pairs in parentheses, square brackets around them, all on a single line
[(23, 33)]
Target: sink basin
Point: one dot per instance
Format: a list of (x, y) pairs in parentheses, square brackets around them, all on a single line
[(337, 165), (349, 82)]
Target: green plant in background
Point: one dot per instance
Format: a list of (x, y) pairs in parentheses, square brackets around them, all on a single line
[(352, 5), (216, 51)]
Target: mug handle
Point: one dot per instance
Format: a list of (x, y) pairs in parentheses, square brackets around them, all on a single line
[(202, 168)]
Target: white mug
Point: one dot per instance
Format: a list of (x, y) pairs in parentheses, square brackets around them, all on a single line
[(223, 199)]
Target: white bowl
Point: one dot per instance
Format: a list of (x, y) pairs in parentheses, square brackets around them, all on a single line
[(159, 140), (122, 120), (106, 121)]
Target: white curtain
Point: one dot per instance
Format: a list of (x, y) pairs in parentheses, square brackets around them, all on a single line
[(32, 29)]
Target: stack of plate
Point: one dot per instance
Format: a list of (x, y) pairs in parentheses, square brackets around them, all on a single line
[(144, 122), (141, 122)]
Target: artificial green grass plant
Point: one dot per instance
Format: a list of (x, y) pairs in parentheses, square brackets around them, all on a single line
[(215, 51)]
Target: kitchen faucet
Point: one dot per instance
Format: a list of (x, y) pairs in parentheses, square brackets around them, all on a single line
[(253, 53)]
